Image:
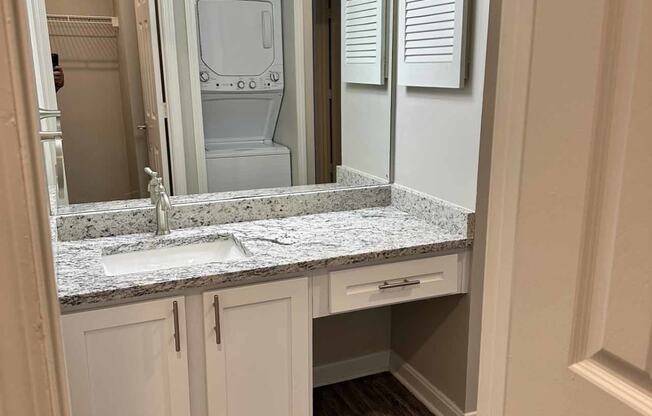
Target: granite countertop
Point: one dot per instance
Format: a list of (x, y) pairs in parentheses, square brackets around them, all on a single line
[(276, 246)]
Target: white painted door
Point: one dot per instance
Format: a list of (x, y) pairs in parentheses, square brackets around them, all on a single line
[(152, 82), (128, 360), (567, 319), (258, 354)]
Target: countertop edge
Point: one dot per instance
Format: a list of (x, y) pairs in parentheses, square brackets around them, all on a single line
[(99, 299)]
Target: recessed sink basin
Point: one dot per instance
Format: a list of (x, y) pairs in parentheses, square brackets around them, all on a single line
[(162, 258)]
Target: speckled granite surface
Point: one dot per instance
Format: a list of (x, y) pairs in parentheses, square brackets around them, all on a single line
[(347, 176), (197, 198), (451, 217), (199, 210), (277, 246)]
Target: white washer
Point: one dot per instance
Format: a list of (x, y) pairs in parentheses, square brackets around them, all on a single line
[(241, 74), (239, 151), (234, 166)]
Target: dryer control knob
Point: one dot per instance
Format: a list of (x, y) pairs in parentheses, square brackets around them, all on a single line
[(252, 84), (203, 76), (241, 84), (274, 76)]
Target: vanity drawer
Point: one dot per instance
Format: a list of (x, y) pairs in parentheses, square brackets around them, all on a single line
[(367, 287)]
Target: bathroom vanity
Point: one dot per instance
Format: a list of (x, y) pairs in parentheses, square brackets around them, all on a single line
[(233, 336), (274, 256)]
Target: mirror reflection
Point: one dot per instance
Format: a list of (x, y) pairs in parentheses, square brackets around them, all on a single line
[(213, 95)]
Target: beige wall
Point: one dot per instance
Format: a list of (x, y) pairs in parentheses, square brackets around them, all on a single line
[(342, 337), (432, 337)]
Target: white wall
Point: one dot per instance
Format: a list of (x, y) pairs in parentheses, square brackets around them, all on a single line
[(287, 132), (366, 128), (366, 121), (438, 130)]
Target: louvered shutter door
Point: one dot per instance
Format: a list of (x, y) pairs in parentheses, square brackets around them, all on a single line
[(363, 41), (431, 43)]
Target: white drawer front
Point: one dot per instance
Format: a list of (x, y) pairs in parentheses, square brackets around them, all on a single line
[(367, 287)]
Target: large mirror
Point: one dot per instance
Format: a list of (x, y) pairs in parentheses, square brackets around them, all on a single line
[(217, 96)]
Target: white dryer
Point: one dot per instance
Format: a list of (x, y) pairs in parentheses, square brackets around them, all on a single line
[(241, 78), (240, 45)]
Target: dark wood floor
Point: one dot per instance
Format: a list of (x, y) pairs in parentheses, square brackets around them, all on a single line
[(376, 395)]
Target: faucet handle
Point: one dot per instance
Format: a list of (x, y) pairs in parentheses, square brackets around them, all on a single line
[(154, 184), (151, 173)]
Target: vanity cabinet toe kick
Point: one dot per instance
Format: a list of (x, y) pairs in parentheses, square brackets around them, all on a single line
[(254, 341)]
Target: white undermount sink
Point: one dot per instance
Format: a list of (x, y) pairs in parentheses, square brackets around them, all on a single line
[(225, 249)]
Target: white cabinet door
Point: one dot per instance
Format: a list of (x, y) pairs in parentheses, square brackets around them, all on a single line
[(128, 360), (258, 353)]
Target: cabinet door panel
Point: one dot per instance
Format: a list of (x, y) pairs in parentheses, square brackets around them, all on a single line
[(262, 362), (123, 360)]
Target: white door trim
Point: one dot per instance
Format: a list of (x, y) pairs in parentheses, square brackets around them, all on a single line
[(170, 72), (303, 79), (431, 397), (47, 99), (511, 25), (195, 95), (34, 379)]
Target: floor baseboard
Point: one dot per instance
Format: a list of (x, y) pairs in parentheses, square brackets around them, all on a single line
[(436, 401), (349, 369)]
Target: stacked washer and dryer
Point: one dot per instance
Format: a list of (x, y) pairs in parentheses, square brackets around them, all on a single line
[(241, 74)]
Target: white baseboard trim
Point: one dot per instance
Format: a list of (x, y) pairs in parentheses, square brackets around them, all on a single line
[(349, 369), (436, 401)]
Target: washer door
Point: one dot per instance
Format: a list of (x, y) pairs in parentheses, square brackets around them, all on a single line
[(236, 37)]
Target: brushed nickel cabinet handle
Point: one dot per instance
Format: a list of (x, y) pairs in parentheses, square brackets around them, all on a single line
[(404, 283), (177, 336), (218, 332)]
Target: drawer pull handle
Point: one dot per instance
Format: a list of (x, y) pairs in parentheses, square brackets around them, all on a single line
[(404, 283), (218, 332), (177, 336)]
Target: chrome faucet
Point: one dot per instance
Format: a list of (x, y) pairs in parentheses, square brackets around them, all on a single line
[(160, 200)]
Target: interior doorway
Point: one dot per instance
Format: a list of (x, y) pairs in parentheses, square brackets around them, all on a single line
[(327, 86)]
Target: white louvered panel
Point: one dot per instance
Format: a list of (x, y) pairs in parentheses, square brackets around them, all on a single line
[(363, 33), (431, 43)]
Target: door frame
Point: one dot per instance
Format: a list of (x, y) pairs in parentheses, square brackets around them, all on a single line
[(33, 364), (47, 97), (168, 49), (327, 89), (507, 77), (302, 13)]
